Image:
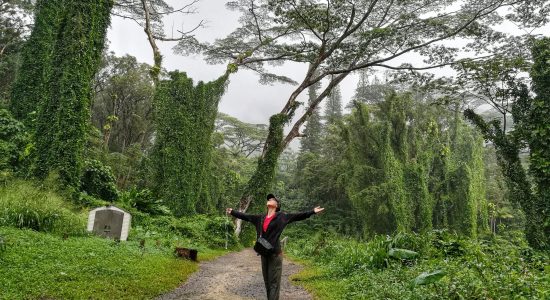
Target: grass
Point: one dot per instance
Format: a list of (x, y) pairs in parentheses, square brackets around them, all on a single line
[(25, 204), (318, 282), (491, 268), (39, 265), (36, 262)]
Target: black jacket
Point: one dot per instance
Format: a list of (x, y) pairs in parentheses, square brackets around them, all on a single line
[(275, 227)]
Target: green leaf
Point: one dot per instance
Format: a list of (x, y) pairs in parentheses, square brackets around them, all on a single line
[(427, 277), (402, 253)]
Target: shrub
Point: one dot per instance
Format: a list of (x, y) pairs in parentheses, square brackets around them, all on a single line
[(144, 201), (448, 267), (197, 231), (13, 141), (98, 181), (24, 205), (209, 230)]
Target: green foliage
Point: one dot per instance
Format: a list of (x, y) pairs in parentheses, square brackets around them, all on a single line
[(402, 253), (429, 277), (25, 205), (493, 268), (319, 179), (98, 181), (200, 231), (370, 91), (129, 167), (184, 118), (69, 267), (466, 180), (32, 83), (2, 245), (13, 141), (538, 125), (402, 174), (530, 115), (241, 138), (63, 113), (37, 265), (333, 108), (227, 177), (311, 142), (122, 103), (144, 201), (262, 180), (14, 27)]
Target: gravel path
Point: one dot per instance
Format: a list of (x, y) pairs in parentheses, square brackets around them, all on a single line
[(235, 276)]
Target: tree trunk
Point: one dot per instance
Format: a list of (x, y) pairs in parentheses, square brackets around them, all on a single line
[(261, 181), (515, 176)]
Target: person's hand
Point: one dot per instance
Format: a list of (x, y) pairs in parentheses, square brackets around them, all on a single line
[(318, 209), (228, 210)]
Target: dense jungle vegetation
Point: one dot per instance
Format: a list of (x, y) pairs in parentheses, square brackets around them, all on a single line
[(434, 186)]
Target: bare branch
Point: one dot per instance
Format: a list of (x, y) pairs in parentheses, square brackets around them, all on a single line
[(180, 10), (184, 35), (156, 51), (256, 21), (127, 17), (295, 131), (432, 41)]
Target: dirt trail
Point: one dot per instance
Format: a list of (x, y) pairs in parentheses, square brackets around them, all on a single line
[(235, 276)]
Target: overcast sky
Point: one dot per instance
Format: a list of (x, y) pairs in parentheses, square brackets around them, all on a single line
[(245, 98)]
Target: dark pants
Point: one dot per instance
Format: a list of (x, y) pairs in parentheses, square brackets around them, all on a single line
[(272, 267)]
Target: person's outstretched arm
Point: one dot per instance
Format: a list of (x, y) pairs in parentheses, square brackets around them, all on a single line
[(242, 216), (303, 215)]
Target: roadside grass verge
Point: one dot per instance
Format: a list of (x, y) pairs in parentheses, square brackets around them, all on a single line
[(46, 252), (487, 268), (37, 265)]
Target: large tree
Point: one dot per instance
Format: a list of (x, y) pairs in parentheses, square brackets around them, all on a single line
[(14, 26), (538, 124), (31, 85), (498, 81), (371, 90), (63, 116), (333, 108), (149, 15), (336, 38), (122, 104), (311, 142), (530, 116), (185, 116), (240, 138)]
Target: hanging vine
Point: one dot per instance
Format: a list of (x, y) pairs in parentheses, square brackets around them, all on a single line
[(404, 174), (538, 125), (32, 82), (184, 118), (261, 181), (63, 113)]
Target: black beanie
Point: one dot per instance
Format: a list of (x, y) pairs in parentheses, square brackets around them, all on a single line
[(271, 196)]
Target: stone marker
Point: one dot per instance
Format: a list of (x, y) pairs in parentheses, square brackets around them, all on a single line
[(109, 221)]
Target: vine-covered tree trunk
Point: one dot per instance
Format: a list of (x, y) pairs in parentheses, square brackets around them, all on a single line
[(63, 114), (516, 179), (184, 116), (32, 83), (539, 141), (533, 127), (466, 180), (261, 181)]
